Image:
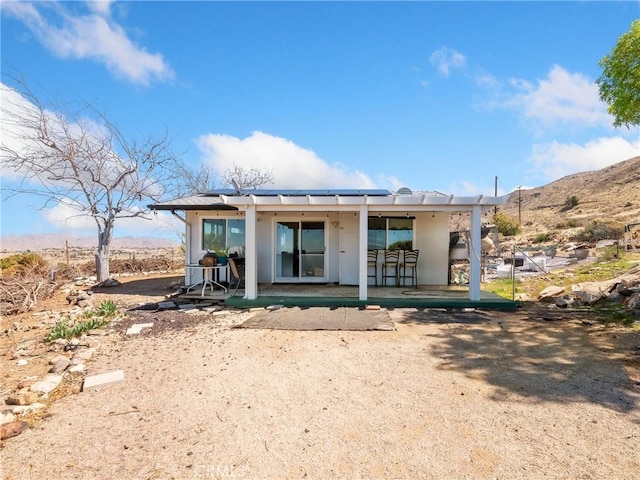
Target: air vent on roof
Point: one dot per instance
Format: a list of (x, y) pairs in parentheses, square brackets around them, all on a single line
[(404, 191)]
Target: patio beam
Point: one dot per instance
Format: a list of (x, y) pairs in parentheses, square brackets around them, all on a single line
[(363, 227), (475, 253), (251, 257)]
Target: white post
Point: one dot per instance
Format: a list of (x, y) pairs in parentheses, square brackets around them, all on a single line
[(475, 253), (251, 255), (362, 252)]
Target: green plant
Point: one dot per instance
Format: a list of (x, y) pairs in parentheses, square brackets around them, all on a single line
[(95, 318), (21, 264), (572, 223), (600, 231), (572, 201), (542, 237), (108, 309), (507, 225), (62, 329)]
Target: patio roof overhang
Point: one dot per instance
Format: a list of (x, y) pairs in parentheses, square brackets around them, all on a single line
[(328, 201), (391, 202)]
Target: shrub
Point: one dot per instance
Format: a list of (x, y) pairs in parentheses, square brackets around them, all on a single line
[(23, 264), (572, 223), (596, 231), (571, 201), (507, 225), (542, 237)]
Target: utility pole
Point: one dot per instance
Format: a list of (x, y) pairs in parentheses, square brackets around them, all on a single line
[(519, 205), (495, 194)]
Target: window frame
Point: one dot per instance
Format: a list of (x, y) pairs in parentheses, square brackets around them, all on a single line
[(387, 221)]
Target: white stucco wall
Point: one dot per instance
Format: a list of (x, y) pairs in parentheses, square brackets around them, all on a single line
[(431, 238)]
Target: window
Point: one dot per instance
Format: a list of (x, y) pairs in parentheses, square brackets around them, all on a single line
[(390, 233), (221, 234)]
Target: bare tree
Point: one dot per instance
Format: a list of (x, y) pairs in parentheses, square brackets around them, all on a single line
[(80, 159), (194, 181), (246, 179), (204, 179)]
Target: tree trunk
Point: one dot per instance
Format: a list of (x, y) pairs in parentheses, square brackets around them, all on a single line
[(102, 255)]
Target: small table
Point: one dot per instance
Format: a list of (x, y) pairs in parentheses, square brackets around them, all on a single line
[(210, 276)]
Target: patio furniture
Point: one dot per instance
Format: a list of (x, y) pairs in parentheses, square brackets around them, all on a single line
[(410, 262), (211, 276), (234, 278), (391, 262), (372, 262)]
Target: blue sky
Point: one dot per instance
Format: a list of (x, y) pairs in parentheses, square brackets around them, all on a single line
[(430, 95)]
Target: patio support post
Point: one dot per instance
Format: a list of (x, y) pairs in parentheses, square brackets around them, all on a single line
[(363, 235), (475, 252), (251, 259)]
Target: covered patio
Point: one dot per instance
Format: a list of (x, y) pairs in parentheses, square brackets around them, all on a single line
[(312, 247)]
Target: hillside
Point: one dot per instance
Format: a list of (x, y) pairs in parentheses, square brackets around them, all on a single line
[(609, 194), (57, 240)]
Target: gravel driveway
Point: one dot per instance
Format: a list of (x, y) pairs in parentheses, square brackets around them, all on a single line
[(477, 395)]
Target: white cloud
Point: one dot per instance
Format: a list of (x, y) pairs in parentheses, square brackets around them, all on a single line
[(92, 36), (555, 160), (447, 59), (560, 98), (292, 166), (102, 7)]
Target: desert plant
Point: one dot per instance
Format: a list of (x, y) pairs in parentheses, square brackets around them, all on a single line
[(572, 201), (507, 225), (62, 329), (572, 223), (22, 264), (542, 237), (596, 231)]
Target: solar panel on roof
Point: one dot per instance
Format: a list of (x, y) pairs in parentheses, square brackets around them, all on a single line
[(303, 193)]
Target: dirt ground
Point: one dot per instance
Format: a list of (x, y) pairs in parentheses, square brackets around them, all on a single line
[(536, 393)]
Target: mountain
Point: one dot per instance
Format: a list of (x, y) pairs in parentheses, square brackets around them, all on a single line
[(605, 195), (57, 240)]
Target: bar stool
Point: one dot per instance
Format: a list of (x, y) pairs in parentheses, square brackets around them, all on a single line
[(372, 262), (391, 259), (410, 262)]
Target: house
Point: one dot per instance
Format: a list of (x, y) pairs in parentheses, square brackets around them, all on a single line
[(323, 236)]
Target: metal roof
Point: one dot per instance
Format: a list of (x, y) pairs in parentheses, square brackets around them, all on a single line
[(196, 202)]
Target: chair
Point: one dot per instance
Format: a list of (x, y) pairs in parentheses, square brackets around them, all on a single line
[(372, 262), (410, 262), (391, 259), (234, 281)]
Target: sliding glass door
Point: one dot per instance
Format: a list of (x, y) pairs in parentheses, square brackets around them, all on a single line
[(300, 251)]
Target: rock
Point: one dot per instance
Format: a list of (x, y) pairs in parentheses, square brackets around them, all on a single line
[(109, 282), (22, 362), (12, 429), (565, 301), (47, 384), (78, 367), (7, 417), (548, 293), (166, 305), (82, 355), (589, 292), (22, 398), (25, 409), (274, 307), (60, 365), (102, 380), (634, 302)]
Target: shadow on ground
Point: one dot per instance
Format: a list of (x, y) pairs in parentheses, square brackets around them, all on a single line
[(539, 356)]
